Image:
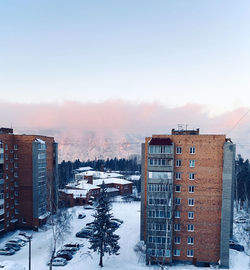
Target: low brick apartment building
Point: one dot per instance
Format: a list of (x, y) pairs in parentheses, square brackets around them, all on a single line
[(28, 179), (187, 198)]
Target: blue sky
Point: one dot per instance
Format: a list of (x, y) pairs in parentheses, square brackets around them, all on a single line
[(174, 52)]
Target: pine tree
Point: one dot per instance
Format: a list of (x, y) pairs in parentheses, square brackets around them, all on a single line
[(103, 239)]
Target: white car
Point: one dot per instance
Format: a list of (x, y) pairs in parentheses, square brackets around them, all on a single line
[(58, 262)]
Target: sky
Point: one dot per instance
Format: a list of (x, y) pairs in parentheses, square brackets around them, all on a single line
[(171, 54)]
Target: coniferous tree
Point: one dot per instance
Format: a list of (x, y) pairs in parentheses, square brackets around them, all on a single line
[(103, 239)]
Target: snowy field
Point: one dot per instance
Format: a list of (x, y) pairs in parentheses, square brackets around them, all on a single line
[(129, 232)]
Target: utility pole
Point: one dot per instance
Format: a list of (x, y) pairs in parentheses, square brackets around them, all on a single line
[(29, 238)]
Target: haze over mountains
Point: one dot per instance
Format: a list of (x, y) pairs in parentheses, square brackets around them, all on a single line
[(116, 128)]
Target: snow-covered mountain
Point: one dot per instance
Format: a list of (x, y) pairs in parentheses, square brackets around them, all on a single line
[(91, 145)]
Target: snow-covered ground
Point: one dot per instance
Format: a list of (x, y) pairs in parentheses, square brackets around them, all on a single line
[(84, 259)]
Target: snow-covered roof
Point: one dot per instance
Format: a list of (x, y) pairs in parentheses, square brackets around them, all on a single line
[(83, 169), (134, 177), (111, 181), (97, 174), (81, 185), (75, 192), (40, 141)]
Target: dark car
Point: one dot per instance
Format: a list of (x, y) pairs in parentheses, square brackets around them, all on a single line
[(76, 246), (81, 216), (7, 251), (84, 233), (14, 246), (71, 250), (64, 254), (237, 247)]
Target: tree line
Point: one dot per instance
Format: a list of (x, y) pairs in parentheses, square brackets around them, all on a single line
[(66, 168)]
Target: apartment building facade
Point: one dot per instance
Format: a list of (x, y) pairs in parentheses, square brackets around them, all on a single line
[(187, 197), (28, 179)]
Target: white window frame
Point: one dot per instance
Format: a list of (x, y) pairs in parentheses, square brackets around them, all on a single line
[(191, 176), (190, 240), (177, 252), (191, 189), (190, 253), (177, 201), (191, 163), (178, 176), (178, 163), (178, 150), (192, 150), (177, 238), (176, 188), (177, 227), (190, 227), (191, 201), (190, 215), (177, 214)]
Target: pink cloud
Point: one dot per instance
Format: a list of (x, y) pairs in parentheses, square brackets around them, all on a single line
[(114, 121)]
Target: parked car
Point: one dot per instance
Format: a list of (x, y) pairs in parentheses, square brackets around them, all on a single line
[(12, 245), (115, 224), (84, 233), (73, 245), (64, 254), (240, 220), (7, 251), (88, 207), (81, 216), (27, 236), (20, 242), (58, 262), (117, 220), (237, 247), (71, 250)]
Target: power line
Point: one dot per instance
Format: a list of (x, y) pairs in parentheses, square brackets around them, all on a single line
[(238, 122)]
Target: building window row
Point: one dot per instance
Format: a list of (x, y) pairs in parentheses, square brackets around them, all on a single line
[(159, 240), (179, 150), (159, 227), (178, 163), (160, 175), (157, 187), (190, 252), (178, 176), (190, 227), (159, 252), (160, 162), (159, 214), (157, 201), (160, 149), (190, 240)]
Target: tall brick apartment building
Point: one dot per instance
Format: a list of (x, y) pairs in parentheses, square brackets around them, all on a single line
[(28, 179), (187, 197)]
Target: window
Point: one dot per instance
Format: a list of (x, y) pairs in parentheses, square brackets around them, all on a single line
[(15, 156), (15, 165), (16, 211), (190, 253), (177, 214), (178, 150), (15, 174), (191, 176), (6, 156), (177, 188), (192, 150), (1, 144), (177, 240), (7, 195), (177, 252), (7, 214), (177, 227), (6, 146), (190, 202), (191, 189), (190, 240), (6, 166), (190, 227), (15, 147), (158, 149), (160, 175), (178, 162), (191, 163), (24, 220), (167, 252), (177, 201), (190, 215), (7, 177), (178, 176)]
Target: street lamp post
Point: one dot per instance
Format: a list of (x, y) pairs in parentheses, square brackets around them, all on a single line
[(29, 238)]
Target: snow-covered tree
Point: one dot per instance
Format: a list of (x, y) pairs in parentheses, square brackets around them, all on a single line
[(103, 239)]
